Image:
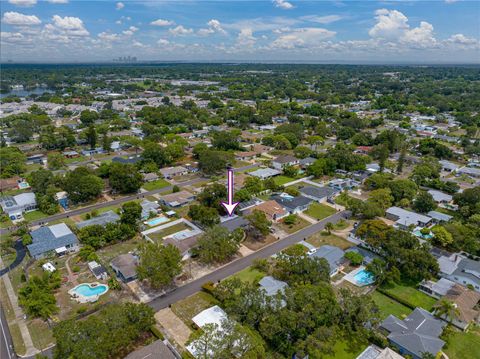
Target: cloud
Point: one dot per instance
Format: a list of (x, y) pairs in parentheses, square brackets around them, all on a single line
[(163, 42), (162, 22), (119, 5), (71, 26), (214, 26), (17, 19), (282, 4), (13, 38), (131, 30), (58, 1), (451, 1), (245, 38), (262, 23), (462, 41), (23, 3), (108, 37), (180, 31), (421, 36), (302, 37), (328, 19)]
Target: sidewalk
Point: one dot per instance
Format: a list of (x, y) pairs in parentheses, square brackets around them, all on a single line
[(19, 316)]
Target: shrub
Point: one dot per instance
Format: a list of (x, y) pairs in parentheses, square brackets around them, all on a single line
[(290, 220), (155, 331), (76, 269), (261, 264), (81, 310), (355, 258), (208, 287)]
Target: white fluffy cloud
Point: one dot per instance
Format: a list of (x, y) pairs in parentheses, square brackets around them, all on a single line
[(17, 19), (131, 30), (328, 19), (282, 4), (302, 37), (58, 1), (180, 31), (163, 42), (162, 22), (245, 38), (214, 26), (119, 5), (71, 26), (108, 37), (24, 3), (13, 38)]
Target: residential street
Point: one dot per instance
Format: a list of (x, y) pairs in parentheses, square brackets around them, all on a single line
[(238, 265)]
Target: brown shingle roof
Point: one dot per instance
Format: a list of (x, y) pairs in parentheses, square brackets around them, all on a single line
[(465, 299)]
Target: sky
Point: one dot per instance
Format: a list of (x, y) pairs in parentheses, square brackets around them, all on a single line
[(335, 31)]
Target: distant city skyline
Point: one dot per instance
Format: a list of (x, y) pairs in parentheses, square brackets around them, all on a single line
[(241, 31)]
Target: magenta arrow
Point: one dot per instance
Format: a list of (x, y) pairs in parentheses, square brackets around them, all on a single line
[(230, 205)]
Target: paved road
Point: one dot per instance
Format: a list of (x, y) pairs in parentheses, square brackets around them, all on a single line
[(121, 200), (21, 251), (242, 263), (6, 344)]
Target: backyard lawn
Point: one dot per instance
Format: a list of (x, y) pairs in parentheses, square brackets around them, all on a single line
[(412, 296), (322, 238), (189, 307), (249, 274), (158, 236), (106, 254), (462, 345), (389, 306), (299, 224), (319, 211), (161, 183), (342, 351)]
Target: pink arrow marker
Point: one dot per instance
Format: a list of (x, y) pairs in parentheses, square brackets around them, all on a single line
[(230, 205)]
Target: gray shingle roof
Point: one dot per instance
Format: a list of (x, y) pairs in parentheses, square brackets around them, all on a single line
[(271, 285), (290, 202), (317, 192), (102, 220), (46, 239), (332, 254)]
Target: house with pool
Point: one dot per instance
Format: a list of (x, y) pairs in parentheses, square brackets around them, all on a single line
[(57, 239)]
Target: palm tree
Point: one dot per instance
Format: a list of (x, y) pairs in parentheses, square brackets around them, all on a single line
[(447, 309), (329, 227)]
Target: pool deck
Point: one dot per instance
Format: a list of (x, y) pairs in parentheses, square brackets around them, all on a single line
[(350, 277), (87, 299)]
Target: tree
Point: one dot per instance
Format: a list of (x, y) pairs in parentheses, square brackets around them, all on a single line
[(159, 264), (81, 185), (300, 268), (447, 309), (12, 162), (401, 159), (259, 225), (155, 153), (381, 197), (290, 220), (212, 161), (36, 296), (124, 178), (55, 161), (403, 188), (441, 236), (289, 171), (105, 334), (253, 185), (213, 195), (329, 227), (106, 143), (87, 117), (355, 258), (217, 245), (131, 213), (205, 216), (91, 135), (424, 202)]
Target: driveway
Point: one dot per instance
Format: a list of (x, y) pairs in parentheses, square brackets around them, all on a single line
[(21, 252)]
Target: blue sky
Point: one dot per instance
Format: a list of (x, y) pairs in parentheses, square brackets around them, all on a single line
[(278, 30)]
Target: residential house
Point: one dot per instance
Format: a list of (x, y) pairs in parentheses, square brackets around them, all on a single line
[(71, 154), (177, 199), (15, 206), (102, 220), (292, 204), (448, 166), (245, 156), (232, 223), (125, 267), (439, 217), (374, 352), (264, 173), (149, 207), (461, 270), (57, 239), (98, 270), (156, 350), (373, 167), (469, 171), (170, 172), (440, 197), (319, 194), (341, 184), (7, 184), (281, 161), (272, 210), (212, 315), (404, 219), (466, 303), (436, 289), (243, 206), (333, 255), (305, 162), (272, 286), (150, 177), (415, 335), (363, 150)]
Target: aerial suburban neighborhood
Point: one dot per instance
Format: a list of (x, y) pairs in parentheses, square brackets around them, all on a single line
[(238, 210)]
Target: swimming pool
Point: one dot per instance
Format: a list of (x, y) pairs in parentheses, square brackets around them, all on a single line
[(88, 290), (421, 235), (156, 221), (363, 278)]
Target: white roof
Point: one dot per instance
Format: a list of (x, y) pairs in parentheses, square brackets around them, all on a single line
[(439, 196), (60, 230), (25, 198), (212, 315)]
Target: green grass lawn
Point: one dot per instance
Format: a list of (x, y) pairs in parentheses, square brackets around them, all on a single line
[(161, 183), (342, 351), (158, 236), (461, 345), (281, 180), (319, 211), (106, 254), (189, 307), (249, 274), (299, 224), (412, 296), (6, 224), (322, 238), (34, 215), (389, 306), (42, 335)]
